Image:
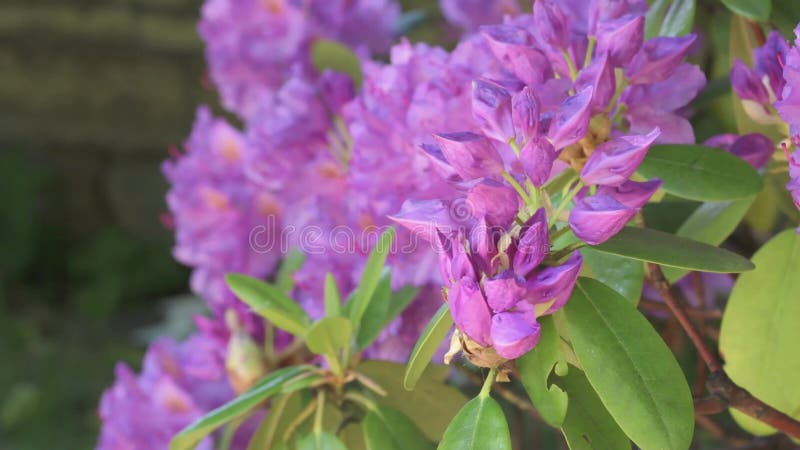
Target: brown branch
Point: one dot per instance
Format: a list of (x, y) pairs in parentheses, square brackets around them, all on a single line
[(655, 306), (718, 382)]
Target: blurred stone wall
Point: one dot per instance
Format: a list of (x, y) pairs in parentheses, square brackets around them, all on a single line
[(94, 91)]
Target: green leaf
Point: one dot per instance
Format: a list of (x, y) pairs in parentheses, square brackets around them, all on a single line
[(655, 17), (333, 297), (669, 250), (700, 173), (370, 278), (430, 405), (267, 430), (389, 429), (327, 54), (281, 381), (269, 302), (291, 263), (320, 441), (759, 332), (624, 275), (588, 425), (711, 223), (679, 18), (757, 10), (629, 366), (480, 425), (374, 318), (329, 336), (534, 370), (426, 345)]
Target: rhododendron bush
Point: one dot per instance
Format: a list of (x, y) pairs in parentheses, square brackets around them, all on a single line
[(404, 245)]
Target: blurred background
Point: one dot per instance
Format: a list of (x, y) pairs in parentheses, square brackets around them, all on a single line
[(92, 95)]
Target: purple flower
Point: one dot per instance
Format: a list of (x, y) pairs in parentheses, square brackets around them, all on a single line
[(491, 106), (621, 38), (597, 218), (571, 122), (471, 155), (754, 148), (789, 104), (657, 59), (613, 162), (471, 14), (179, 383)]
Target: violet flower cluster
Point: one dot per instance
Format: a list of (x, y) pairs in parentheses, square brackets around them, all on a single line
[(770, 94), (254, 46), (574, 93)]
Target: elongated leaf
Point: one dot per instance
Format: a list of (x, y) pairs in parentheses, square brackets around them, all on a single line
[(678, 18), (759, 333), (757, 10), (534, 370), (333, 297), (269, 302), (670, 250), (370, 277), (426, 345), (588, 425), (374, 318), (320, 441), (432, 403), (480, 425), (700, 173), (389, 429), (327, 54), (265, 434), (655, 17), (291, 262), (330, 335), (280, 381), (624, 275), (711, 223), (629, 366)]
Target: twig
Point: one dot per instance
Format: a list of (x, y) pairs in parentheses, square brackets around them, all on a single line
[(718, 432), (654, 306), (718, 383)]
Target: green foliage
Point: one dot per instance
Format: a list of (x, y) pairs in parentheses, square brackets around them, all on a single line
[(480, 425), (320, 441), (624, 275), (759, 332), (386, 428), (669, 18), (426, 345), (330, 336), (588, 425), (757, 10), (633, 372), (327, 54), (534, 370), (700, 173), (370, 278), (270, 302), (670, 250)]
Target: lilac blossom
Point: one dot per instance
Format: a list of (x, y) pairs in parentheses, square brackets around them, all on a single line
[(254, 46), (179, 383), (214, 207)]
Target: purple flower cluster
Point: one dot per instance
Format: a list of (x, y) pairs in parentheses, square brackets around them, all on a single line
[(789, 109), (570, 87), (179, 383), (469, 15), (254, 46)]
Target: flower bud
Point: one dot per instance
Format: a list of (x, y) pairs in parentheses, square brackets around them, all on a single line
[(658, 59), (613, 162), (491, 107), (620, 39), (533, 244), (537, 158), (571, 121), (514, 46), (471, 155), (244, 362), (514, 333), (595, 219), (470, 311)]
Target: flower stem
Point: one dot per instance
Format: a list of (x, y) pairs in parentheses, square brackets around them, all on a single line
[(573, 72), (487, 384), (590, 51), (565, 201), (517, 187), (320, 409)]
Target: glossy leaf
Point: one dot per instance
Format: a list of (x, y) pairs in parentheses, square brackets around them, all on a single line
[(757, 10), (329, 336), (630, 367), (711, 223), (432, 403), (588, 425), (669, 250), (759, 332), (333, 297), (700, 173), (269, 302), (480, 425), (669, 18), (426, 345), (386, 306), (370, 278), (320, 441), (534, 371), (281, 381), (389, 429), (624, 275), (327, 54)]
